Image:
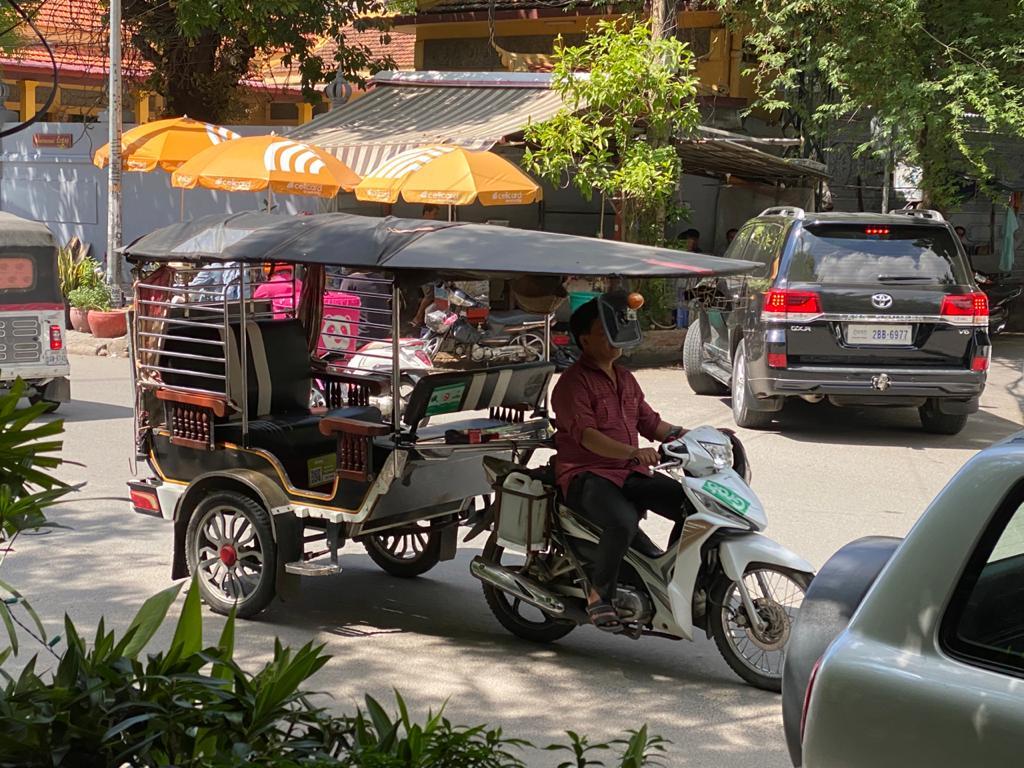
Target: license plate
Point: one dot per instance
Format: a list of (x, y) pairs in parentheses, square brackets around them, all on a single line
[(880, 335)]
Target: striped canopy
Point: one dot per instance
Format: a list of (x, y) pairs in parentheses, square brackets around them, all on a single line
[(448, 175)]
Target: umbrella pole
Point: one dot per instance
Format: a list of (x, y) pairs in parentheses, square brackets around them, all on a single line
[(181, 205)]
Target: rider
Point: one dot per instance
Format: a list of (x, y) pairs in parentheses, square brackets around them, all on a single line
[(603, 473)]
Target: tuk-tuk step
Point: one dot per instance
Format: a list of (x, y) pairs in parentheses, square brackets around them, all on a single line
[(319, 567)]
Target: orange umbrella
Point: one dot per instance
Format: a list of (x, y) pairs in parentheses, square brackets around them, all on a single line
[(449, 175), (164, 144), (254, 163)]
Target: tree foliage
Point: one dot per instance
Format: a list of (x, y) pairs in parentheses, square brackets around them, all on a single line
[(932, 73), (201, 50), (616, 134)]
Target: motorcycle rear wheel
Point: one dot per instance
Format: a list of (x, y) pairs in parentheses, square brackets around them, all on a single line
[(757, 659), (509, 611)]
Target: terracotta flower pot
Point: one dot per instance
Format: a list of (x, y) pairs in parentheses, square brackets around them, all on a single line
[(108, 325), (80, 320)]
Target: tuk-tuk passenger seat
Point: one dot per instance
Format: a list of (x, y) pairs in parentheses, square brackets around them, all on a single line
[(279, 382), (504, 390)]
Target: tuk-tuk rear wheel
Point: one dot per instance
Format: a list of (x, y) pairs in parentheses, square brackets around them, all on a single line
[(229, 545), (405, 553)]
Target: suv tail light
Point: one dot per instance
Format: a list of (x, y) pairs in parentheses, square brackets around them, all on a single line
[(807, 698), (791, 306), (965, 309), (56, 338)]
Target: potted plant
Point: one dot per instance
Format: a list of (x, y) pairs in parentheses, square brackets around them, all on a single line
[(107, 323), (75, 269), (85, 299)]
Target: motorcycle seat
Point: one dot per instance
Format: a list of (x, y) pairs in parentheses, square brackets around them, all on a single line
[(514, 317)]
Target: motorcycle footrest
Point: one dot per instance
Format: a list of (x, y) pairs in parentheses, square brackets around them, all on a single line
[(319, 567)]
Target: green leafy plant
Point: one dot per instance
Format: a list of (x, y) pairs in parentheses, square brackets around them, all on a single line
[(193, 705), (90, 297), (616, 135), (934, 75), (27, 487), (76, 271)]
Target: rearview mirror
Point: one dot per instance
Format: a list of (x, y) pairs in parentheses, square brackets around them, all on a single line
[(619, 319)]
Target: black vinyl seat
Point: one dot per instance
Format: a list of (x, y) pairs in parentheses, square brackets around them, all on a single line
[(278, 385), (513, 317)]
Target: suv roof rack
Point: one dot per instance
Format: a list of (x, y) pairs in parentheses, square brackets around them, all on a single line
[(920, 213), (784, 210)]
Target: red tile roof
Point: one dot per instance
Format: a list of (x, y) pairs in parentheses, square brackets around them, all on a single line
[(77, 33)]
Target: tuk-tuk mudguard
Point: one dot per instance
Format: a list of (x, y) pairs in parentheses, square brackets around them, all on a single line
[(251, 483)]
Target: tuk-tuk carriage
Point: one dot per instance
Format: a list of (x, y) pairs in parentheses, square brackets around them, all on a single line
[(31, 312), (261, 487)]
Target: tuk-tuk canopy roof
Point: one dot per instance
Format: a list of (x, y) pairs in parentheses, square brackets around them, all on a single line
[(450, 249), (16, 232)]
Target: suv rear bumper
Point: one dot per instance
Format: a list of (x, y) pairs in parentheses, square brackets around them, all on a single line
[(886, 385)]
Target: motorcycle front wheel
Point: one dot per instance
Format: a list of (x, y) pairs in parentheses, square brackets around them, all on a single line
[(519, 618), (755, 655)]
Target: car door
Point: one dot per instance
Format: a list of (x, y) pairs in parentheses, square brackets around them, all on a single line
[(721, 316), (764, 247)]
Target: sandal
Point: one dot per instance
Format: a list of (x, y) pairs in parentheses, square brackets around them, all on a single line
[(604, 616)]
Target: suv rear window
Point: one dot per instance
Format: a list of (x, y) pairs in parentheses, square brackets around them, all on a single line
[(868, 255)]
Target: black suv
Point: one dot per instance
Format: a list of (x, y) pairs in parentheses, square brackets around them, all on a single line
[(859, 309)]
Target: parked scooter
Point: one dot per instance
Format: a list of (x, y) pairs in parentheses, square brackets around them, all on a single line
[(720, 574), (1001, 295), (468, 330), (375, 358)]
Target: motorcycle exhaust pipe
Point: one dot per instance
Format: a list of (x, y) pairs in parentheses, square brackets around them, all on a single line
[(518, 586)]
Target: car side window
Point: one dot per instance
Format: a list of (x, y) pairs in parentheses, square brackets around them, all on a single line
[(735, 249), (763, 247), (985, 621)]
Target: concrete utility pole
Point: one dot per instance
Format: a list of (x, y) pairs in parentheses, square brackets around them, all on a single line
[(114, 169)]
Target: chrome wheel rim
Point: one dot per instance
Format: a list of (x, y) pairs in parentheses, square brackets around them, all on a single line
[(404, 547), (229, 553), (523, 612), (533, 344), (777, 597), (740, 388)]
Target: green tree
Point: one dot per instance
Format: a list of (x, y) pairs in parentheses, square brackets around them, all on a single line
[(932, 73), (201, 50), (616, 135)]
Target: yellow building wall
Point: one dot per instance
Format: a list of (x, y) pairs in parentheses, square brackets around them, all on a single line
[(720, 70)]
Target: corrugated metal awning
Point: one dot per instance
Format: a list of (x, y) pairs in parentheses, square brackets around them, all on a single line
[(402, 113)]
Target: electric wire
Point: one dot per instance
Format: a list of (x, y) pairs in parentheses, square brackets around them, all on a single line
[(41, 111)]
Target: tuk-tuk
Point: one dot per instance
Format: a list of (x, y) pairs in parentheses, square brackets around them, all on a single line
[(31, 312), (261, 486)]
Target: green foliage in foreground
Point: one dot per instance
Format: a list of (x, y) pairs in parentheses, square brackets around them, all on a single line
[(193, 705), (105, 703)]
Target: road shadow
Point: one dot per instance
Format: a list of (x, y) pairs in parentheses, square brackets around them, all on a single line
[(90, 410)]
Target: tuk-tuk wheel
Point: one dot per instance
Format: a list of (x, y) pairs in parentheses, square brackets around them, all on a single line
[(229, 545), (405, 552), (51, 405)]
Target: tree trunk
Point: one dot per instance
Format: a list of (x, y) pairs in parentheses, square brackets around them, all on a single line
[(663, 26)]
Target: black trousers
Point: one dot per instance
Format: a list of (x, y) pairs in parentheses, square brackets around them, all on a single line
[(617, 511)]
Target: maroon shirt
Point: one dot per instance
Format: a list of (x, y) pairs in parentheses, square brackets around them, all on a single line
[(585, 397)]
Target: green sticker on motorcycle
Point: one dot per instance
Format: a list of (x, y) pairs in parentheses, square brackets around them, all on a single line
[(728, 497), (445, 399)]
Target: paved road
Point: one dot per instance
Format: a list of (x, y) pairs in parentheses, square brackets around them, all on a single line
[(831, 476)]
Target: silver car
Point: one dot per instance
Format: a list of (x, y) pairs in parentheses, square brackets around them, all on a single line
[(912, 653)]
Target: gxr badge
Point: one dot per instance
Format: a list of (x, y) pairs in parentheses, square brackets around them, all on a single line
[(882, 300)]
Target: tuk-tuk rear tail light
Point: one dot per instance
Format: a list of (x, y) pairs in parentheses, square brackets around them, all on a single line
[(56, 338), (145, 501)]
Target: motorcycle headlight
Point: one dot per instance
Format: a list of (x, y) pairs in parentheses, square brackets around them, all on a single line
[(720, 453)]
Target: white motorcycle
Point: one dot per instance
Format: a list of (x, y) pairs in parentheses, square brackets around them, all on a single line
[(720, 574)]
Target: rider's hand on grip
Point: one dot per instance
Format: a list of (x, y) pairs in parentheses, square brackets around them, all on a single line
[(646, 457)]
